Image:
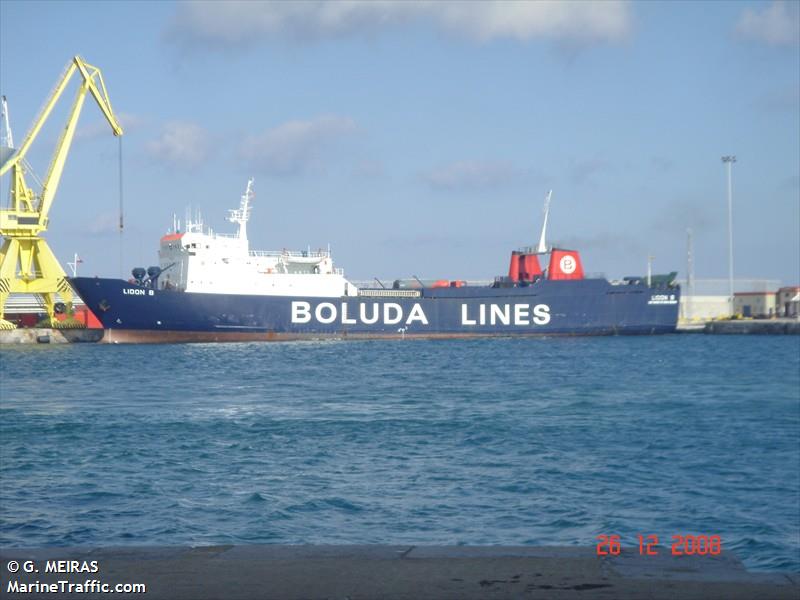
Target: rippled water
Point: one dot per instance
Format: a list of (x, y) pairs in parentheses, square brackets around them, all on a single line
[(502, 441)]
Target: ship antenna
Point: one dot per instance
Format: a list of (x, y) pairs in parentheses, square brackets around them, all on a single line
[(542, 248), (241, 215)]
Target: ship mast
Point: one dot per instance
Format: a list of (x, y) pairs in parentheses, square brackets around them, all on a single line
[(242, 214), (542, 247)]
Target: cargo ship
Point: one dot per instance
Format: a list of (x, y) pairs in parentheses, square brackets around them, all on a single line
[(210, 287)]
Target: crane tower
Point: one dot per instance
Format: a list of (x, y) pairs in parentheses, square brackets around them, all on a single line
[(26, 262)]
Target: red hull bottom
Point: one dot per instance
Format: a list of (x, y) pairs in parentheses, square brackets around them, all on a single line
[(141, 336)]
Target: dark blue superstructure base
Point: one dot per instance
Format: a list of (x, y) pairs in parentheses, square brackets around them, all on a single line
[(585, 307)]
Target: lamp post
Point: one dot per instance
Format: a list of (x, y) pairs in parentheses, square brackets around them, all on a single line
[(729, 160)]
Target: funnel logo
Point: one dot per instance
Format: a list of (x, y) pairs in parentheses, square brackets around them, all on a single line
[(567, 264)]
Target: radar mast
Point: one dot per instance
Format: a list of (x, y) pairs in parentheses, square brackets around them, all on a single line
[(242, 214)]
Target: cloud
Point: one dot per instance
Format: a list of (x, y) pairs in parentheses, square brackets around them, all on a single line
[(785, 100), (181, 144), (100, 127), (674, 218), (588, 22), (295, 146), (616, 243), (776, 25), (662, 163), (471, 174), (242, 23), (791, 184), (582, 171), (103, 224), (369, 169)]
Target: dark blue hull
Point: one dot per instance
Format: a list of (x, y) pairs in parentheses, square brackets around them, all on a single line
[(131, 313)]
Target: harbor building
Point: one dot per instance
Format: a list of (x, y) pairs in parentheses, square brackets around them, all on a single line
[(754, 304), (709, 299)]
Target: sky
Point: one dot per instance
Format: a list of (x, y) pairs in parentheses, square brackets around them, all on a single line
[(421, 138)]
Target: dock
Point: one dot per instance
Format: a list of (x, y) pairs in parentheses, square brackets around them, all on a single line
[(754, 326), (40, 335), (395, 572)]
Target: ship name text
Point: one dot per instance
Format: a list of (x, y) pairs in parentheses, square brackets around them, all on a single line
[(663, 299), (327, 312), (506, 314), (392, 313)]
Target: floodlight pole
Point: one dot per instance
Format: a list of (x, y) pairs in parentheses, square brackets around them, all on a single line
[(729, 160)]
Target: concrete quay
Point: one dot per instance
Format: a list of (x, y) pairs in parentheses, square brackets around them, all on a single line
[(388, 572), (39, 335), (755, 326), (742, 327)]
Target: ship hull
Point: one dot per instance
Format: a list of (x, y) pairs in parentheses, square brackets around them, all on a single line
[(135, 314)]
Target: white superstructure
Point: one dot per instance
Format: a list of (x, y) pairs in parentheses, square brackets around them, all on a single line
[(200, 260)]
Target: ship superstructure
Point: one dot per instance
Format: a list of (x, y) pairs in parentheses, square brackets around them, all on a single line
[(199, 260)]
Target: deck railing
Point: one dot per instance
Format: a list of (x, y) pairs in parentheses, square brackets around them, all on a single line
[(291, 253)]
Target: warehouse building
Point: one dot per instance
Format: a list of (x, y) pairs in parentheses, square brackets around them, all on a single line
[(760, 305), (787, 300)]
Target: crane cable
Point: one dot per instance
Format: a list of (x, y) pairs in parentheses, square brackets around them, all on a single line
[(121, 213)]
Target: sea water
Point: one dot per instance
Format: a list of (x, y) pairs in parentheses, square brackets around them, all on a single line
[(550, 441)]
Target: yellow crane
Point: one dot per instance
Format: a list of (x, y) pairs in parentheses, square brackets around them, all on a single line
[(26, 262)]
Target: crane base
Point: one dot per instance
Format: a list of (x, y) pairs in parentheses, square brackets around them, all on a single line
[(68, 325)]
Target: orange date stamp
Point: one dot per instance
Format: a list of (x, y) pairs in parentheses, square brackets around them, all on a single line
[(682, 545)]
